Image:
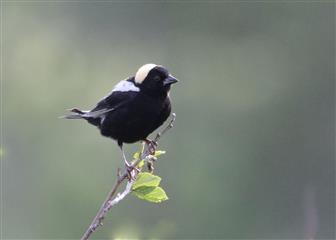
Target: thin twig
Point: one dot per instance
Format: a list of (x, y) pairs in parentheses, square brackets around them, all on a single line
[(110, 201)]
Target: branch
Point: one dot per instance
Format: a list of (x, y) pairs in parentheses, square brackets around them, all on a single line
[(110, 201)]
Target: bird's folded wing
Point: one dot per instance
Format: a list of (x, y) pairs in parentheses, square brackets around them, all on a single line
[(113, 101)]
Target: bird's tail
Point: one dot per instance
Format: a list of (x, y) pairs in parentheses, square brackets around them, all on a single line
[(78, 114)]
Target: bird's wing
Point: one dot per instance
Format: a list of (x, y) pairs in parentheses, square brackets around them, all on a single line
[(122, 93)]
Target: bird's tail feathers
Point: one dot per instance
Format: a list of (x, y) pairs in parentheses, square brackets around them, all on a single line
[(72, 116), (76, 110), (79, 114)]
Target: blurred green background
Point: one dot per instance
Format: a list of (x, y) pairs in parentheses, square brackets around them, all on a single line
[(252, 151)]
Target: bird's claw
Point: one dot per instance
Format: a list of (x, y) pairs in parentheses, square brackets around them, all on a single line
[(129, 170), (152, 145)]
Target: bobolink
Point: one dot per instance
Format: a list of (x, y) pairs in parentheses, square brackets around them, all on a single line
[(134, 108)]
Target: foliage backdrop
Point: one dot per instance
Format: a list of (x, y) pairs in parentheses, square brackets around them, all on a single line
[(252, 151)]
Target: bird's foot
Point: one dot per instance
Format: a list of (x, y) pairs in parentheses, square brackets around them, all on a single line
[(152, 145), (129, 170)]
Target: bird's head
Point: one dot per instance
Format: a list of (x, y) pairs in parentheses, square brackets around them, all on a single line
[(154, 79)]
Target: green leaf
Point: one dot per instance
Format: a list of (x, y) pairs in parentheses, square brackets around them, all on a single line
[(151, 194), (136, 155), (145, 179), (140, 164), (159, 153)]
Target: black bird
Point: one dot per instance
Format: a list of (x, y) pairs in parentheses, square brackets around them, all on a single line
[(134, 108)]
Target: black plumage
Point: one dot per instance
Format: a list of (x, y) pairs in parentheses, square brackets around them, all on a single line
[(134, 108)]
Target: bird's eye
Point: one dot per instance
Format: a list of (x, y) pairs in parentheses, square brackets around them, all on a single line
[(157, 78)]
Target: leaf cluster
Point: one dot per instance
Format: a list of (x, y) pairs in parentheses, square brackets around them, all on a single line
[(146, 185)]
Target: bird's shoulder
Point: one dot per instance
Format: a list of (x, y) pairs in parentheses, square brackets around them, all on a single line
[(122, 93)]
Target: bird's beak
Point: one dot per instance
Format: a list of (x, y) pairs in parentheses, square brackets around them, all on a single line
[(169, 80)]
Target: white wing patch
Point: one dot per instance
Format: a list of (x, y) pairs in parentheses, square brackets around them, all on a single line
[(125, 86)]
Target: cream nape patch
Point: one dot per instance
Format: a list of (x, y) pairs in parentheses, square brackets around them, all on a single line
[(143, 71)]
